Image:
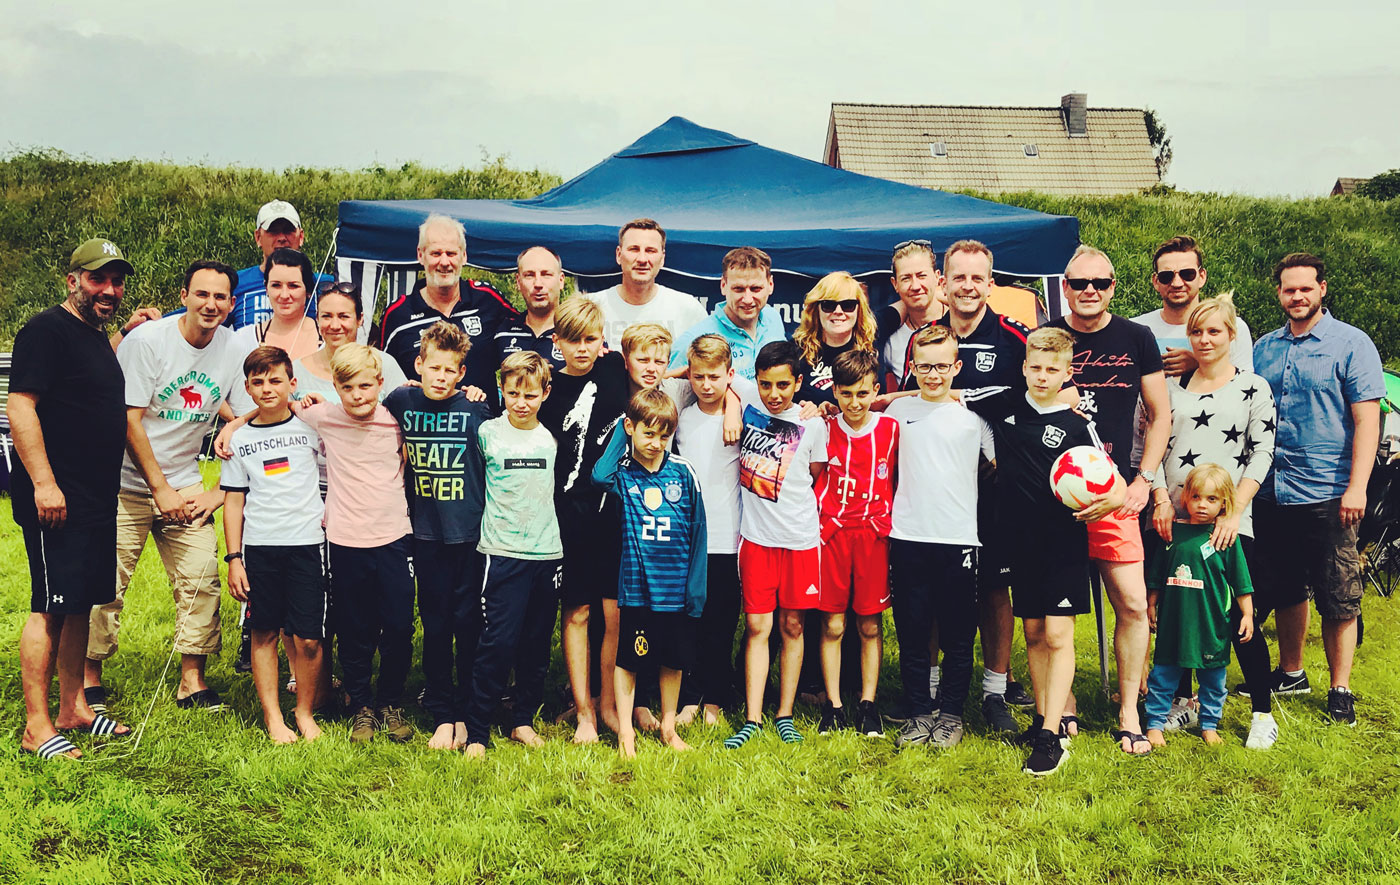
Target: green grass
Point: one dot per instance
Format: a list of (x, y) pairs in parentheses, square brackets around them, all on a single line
[(209, 799)]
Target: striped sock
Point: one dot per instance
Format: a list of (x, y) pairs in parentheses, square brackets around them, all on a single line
[(787, 731), (741, 737)]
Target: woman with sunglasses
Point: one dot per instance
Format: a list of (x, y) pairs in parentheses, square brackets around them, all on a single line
[(836, 317), (290, 279)]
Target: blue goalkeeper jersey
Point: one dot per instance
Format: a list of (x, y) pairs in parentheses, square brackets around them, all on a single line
[(664, 551)]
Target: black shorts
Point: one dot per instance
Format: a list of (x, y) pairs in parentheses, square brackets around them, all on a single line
[(648, 639), (592, 540), (71, 569), (1045, 583), (1304, 552), (287, 589)]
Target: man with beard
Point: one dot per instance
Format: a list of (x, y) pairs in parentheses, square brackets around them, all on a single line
[(68, 418), (474, 307)]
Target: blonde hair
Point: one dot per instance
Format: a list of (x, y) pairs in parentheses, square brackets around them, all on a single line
[(643, 335), (1086, 249), (652, 407), (835, 286), (1223, 304), (973, 247), (578, 318), (1208, 478), (353, 358), (1050, 340), (932, 334), (913, 249), (526, 365), (712, 350)]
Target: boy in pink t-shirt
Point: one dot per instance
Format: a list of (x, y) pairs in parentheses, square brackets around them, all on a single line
[(370, 540)]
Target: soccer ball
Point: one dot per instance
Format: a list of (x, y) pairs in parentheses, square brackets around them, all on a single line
[(1082, 474)]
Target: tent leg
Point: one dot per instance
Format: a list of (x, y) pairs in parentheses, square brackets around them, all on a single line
[(1096, 583)]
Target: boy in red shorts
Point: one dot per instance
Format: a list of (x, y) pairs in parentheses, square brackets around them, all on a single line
[(779, 532), (854, 496)]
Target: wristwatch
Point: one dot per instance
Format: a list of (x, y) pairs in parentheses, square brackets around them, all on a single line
[(1149, 475), (232, 556)]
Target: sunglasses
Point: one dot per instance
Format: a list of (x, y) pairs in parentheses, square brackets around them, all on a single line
[(1079, 284), (847, 305), (1187, 274), (342, 288), (927, 244)]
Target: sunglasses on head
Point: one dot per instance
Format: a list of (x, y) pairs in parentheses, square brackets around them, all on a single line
[(927, 244), (1187, 274), (847, 305), (342, 288), (1079, 284)]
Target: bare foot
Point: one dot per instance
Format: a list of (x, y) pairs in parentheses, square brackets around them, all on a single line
[(645, 720), (687, 714), (308, 727), (1156, 738), (609, 719), (526, 735), (442, 738), (674, 741), (587, 731), (1211, 737), (712, 714), (475, 751), (83, 724), (32, 744), (459, 735), (627, 744), (280, 733)]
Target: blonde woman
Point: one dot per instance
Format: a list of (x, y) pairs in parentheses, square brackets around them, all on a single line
[(836, 317)]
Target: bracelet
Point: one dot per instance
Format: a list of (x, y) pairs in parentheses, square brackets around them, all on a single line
[(1161, 504)]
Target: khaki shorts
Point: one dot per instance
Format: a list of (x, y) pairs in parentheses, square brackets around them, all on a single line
[(1304, 552), (190, 554)]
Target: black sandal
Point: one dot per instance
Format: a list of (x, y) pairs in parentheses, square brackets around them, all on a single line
[(1133, 738), (207, 699)]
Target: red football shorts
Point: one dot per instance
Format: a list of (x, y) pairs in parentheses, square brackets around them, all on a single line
[(855, 571), (1116, 539), (775, 577)]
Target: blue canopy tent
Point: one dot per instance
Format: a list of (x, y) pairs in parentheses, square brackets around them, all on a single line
[(711, 191)]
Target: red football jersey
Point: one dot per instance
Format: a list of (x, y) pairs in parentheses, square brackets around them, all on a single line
[(857, 487)]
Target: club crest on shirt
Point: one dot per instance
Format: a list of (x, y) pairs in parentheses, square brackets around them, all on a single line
[(882, 469), (640, 646), (1052, 437), (472, 325), (985, 360), (673, 492), (556, 353), (651, 497)]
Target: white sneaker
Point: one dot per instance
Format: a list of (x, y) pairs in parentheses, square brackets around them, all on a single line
[(1263, 731), (1185, 713)]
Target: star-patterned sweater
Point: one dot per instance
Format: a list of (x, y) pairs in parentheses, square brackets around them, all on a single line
[(1233, 427)]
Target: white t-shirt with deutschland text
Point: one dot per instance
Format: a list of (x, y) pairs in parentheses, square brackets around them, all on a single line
[(180, 387), (671, 308), (275, 466), (935, 501)]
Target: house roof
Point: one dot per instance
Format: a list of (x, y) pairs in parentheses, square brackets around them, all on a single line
[(986, 148), (1346, 186)]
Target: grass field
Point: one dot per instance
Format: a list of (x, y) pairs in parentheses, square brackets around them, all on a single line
[(208, 799)]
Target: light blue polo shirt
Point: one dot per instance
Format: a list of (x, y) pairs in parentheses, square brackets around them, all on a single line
[(742, 348), (1316, 378)]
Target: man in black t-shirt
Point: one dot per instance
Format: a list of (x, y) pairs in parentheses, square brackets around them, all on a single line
[(67, 413), (1116, 361)]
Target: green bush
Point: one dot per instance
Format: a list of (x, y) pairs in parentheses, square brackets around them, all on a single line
[(164, 215)]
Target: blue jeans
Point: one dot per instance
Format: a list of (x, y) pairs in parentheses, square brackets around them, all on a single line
[(1161, 688)]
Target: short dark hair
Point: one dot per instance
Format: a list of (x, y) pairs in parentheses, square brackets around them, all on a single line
[(210, 264), (652, 406), (642, 224), (1299, 259), (285, 257), (746, 258), (265, 358), (854, 366), (779, 353), (1181, 243), (344, 290)]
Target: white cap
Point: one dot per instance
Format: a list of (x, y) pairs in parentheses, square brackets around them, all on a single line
[(275, 210)]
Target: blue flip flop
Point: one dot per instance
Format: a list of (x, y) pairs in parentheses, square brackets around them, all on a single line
[(56, 747), (102, 726)]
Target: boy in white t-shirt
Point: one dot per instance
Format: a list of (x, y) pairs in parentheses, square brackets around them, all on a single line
[(779, 535), (933, 538), (272, 527)]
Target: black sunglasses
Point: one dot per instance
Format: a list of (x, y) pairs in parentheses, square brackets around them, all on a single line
[(342, 288), (927, 244), (847, 305), (1079, 284), (1187, 274)]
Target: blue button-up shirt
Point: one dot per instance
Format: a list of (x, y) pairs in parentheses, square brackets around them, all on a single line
[(1316, 378), (743, 348)]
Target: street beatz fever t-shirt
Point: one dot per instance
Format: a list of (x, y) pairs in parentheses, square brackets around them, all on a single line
[(776, 452), (180, 386), (1198, 584), (446, 474), (1108, 367), (275, 466)]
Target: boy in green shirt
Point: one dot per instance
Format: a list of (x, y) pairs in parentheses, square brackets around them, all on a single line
[(1191, 587)]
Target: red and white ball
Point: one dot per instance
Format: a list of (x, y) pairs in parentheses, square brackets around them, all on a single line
[(1082, 474)]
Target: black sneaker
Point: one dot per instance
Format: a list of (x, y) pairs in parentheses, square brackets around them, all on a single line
[(869, 718), (244, 664), (997, 715), (833, 718), (1046, 756), (1027, 737), (1283, 684), (1341, 706), (1016, 695)]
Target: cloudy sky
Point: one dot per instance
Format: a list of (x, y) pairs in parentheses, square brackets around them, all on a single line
[(1259, 97)]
